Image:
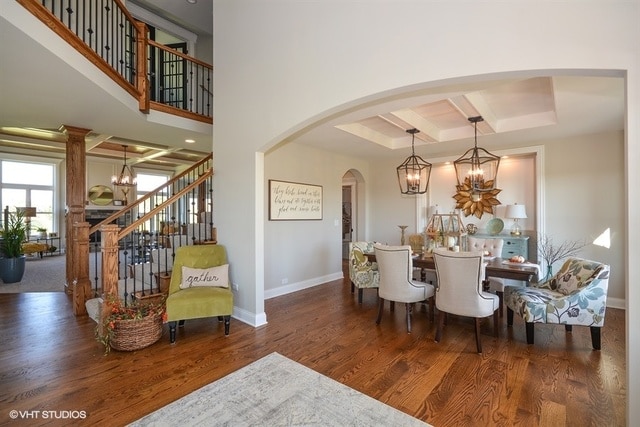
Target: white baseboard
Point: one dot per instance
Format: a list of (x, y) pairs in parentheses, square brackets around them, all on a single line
[(260, 319), (617, 303), (294, 287), (249, 318)]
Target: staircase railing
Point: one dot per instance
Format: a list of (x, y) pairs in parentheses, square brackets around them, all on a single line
[(108, 35), (131, 252)]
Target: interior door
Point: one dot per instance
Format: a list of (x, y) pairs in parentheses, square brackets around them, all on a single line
[(172, 76)]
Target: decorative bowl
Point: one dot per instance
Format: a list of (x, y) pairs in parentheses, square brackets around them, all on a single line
[(495, 226)]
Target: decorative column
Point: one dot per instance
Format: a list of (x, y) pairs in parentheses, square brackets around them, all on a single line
[(81, 283), (76, 191)]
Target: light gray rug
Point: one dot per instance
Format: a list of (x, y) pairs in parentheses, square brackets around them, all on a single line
[(46, 274), (276, 391)]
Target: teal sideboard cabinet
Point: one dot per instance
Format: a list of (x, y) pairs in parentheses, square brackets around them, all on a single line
[(513, 245)]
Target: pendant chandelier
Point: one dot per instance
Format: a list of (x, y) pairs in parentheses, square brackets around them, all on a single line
[(477, 168), (414, 173), (126, 178)]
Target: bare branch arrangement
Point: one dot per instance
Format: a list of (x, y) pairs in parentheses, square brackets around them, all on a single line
[(552, 253)]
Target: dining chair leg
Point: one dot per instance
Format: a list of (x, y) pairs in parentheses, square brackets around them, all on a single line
[(500, 301), (392, 306), (509, 317), (360, 290), (529, 332), (380, 309), (478, 343), (441, 316), (409, 307), (568, 328), (496, 319), (432, 308), (595, 337), (353, 287)]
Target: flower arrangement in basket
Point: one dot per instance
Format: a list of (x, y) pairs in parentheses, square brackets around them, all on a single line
[(131, 327)]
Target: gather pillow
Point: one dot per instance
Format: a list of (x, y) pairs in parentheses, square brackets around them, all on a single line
[(213, 276)]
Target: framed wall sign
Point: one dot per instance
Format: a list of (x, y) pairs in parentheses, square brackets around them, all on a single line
[(290, 201)]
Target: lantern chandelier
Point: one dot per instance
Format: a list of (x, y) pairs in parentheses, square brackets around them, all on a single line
[(126, 178), (414, 172), (477, 168)]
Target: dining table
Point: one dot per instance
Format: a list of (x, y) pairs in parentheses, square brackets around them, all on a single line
[(496, 267)]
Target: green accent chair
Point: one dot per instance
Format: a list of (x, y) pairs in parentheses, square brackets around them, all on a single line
[(575, 295), (362, 272), (197, 302)]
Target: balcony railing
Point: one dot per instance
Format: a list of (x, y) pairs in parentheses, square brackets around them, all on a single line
[(131, 251), (110, 37)]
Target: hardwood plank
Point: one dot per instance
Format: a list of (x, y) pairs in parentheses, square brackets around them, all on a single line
[(49, 360)]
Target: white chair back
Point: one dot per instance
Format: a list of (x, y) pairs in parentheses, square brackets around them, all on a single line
[(396, 267), (460, 276), (493, 246)]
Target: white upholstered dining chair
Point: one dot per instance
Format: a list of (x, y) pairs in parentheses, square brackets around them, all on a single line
[(395, 267), (459, 292), (492, 246)]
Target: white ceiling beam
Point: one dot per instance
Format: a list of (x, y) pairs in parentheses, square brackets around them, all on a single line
[(417, 121)]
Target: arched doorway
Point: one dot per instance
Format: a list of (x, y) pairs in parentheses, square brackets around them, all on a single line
[(352, 182)]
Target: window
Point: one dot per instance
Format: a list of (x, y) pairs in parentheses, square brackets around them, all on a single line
[(147, 183), (29, 184)]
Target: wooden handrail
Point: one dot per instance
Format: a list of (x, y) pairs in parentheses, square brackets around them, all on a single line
[(178, 53), (150, 194), (128, 229), (139, 86), (50, 20)]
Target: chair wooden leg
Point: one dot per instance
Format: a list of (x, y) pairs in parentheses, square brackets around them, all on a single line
[(392, 305), (360, 290), (441, 316), (478, 343), (432, 308), (568, 328), (220, 318), (227, 323), (529, 330), (496, 319), (595, 337), (409, 307), (500, 301), (353, 287), (380, 309), (509, 317), (172, 332)]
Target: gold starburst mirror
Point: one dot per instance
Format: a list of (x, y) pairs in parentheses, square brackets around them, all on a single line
[(476, 203)]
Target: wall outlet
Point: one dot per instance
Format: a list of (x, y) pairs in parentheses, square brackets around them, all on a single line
[(234, 286)]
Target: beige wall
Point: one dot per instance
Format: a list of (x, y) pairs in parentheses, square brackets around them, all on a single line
[(279, 69)]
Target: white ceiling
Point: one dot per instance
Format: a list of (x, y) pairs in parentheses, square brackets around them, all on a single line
[(516, 112)]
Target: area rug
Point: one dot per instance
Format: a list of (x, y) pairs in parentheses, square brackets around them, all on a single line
[(276, 391)]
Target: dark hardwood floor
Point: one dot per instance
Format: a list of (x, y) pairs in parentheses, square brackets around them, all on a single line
[(50, 361)]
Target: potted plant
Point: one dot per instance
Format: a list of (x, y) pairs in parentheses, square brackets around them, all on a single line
[(42, 232), (12, 261)]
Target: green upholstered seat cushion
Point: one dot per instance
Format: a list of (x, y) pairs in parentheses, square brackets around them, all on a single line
[(194, 303)]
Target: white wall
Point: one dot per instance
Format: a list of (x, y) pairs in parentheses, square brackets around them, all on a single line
[(283, 65), (306, 253)]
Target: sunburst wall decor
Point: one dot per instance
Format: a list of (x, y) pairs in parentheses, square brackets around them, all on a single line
[(476, 203)]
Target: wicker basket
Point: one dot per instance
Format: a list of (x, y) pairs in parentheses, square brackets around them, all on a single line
[(134, 334)]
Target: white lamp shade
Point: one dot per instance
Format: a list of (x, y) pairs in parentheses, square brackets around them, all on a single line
[(515, 212)]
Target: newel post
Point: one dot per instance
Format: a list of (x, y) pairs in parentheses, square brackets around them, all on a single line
[(81, 282), (110, 252), (142, 81)]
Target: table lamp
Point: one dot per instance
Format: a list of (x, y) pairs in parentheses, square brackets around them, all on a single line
[(515, 212)]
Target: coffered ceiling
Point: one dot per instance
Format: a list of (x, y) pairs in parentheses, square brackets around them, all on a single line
[(519, 111), (506, 107)]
